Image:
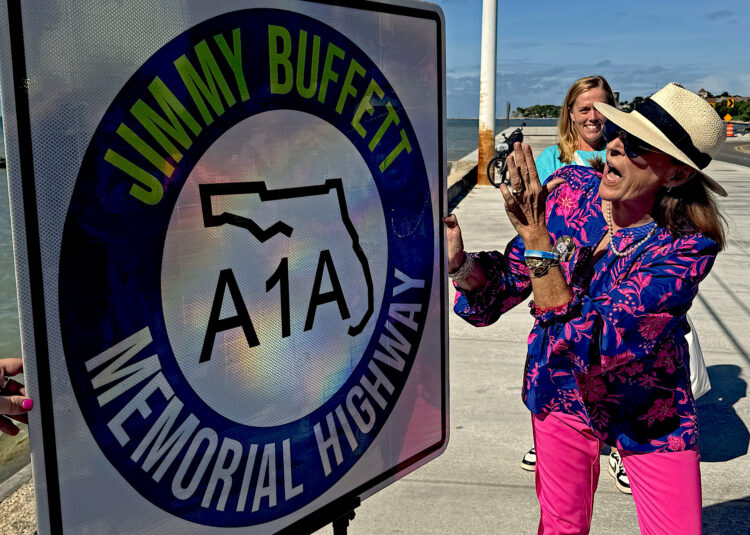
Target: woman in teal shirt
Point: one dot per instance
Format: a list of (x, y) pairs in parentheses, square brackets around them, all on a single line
[(580, 128)]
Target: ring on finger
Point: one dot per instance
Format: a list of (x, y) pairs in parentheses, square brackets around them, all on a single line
[(515, 192)]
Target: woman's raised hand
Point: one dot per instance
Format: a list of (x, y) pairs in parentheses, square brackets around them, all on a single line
[(456, 256), (13, 401), (455, 242), (526, 198)]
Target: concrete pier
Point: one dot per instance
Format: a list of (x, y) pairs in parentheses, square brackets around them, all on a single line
[(462, 174)]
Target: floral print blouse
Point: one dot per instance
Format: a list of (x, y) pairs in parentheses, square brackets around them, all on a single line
[(616, 354)]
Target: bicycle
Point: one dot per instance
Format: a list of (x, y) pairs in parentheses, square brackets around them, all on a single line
[(497, 165)]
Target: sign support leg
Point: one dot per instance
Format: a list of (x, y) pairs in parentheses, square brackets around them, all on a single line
[(341, 524), (337, 514)]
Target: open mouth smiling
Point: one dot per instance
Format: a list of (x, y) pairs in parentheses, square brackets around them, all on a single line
[(611, 174)]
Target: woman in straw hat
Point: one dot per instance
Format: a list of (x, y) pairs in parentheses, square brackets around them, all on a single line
[(613, 261), (581, 142)]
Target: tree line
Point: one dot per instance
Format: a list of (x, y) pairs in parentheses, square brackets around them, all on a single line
[(539, 111), (740, 111)]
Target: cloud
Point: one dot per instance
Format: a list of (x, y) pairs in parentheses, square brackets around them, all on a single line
[(524, 83), (719, 14), (735, 84), (650, 69), (517, 45), (462, 88)]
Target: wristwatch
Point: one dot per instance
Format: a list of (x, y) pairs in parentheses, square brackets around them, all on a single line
[(539, 262), (539, 267)]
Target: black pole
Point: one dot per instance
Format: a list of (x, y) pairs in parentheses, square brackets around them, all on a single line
[(341, 524), (337, 513)]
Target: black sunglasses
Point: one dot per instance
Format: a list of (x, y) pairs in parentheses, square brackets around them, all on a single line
[(634, 147)]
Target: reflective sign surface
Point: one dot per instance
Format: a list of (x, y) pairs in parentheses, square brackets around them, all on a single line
[(248, 269)]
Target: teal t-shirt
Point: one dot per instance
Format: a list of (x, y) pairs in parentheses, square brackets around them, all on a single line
[(549, 160)]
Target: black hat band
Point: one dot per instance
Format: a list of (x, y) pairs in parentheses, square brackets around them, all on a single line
[(674, 131)]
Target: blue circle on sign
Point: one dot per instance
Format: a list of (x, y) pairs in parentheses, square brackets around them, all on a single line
[(166, 441)]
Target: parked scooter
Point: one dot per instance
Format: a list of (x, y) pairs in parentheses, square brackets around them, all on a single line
[(497, 169)]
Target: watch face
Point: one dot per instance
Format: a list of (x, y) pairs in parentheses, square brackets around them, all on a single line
[(564, 247)]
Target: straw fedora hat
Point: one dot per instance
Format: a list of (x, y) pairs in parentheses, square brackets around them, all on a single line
[(678, 122)]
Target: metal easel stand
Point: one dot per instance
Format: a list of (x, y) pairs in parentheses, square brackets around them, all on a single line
[(337, 513), (341, 524)]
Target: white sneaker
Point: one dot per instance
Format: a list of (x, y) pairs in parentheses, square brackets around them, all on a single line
[(617, 471), (528, 462)]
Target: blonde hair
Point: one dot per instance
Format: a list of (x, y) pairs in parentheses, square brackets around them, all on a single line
[(567, 136)]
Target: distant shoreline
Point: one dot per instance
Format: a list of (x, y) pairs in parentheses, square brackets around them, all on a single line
[(733, 121), (503, 118)]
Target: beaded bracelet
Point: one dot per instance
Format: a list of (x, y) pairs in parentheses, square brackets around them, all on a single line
[(464, 270)]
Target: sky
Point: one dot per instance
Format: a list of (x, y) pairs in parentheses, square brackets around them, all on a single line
[(638, 46)]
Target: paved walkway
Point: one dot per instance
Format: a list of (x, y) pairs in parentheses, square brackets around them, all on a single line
[(477, 486)]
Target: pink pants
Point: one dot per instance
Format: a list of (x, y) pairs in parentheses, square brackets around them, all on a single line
[(666, 486)]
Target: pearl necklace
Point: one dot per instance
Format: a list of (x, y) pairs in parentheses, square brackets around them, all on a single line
[(611, 233)]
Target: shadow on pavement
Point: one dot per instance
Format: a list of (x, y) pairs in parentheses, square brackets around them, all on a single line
[(723, 435), (463, 191), (728, 518), (730, 337)]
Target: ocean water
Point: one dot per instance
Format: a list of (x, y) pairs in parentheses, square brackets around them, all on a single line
[(463, 134), (14, 451), (10, 342)]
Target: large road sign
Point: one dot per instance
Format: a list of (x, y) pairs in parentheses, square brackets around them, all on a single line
[(230, 260)]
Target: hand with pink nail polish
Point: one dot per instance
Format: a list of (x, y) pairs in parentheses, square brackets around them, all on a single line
[(13, 401)]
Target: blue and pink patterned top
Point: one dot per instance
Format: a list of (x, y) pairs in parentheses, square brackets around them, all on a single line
[(616, 355)]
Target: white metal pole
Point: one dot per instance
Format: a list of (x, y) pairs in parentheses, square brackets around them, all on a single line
[(487, 89)]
